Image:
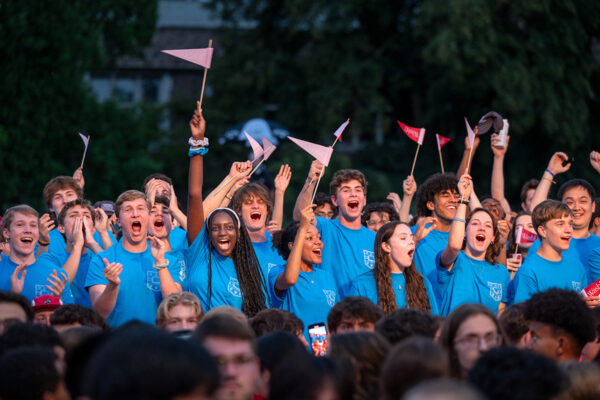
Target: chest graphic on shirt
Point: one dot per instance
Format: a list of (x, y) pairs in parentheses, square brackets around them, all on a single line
[(495, 290), (330, 295), (234, 287), (152, 281), (181, 270), (369, 257), (41, 290), (270, 266), (576, 286)]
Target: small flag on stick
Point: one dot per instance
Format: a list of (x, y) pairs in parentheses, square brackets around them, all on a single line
[(416, 134), (441, 141), (86, 142)]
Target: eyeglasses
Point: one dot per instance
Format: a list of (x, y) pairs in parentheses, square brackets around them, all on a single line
[(238, 360), (374, 223), (471, 341)]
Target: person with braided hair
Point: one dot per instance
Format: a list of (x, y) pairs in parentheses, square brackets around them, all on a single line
[(395, 282), (297, 286), (223, 268)]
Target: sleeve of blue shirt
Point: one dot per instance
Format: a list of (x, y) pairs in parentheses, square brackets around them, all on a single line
[(177, 266), (95, 275), (594, 265), (198, 250), (273, 274), (432, 302)]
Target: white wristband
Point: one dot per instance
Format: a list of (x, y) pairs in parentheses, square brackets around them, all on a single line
[(198, 143)]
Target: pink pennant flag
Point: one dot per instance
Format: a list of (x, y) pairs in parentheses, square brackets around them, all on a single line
[(340, 130), (416, 134), (321, 153), (256, 149), (441, 141), (202, 57), (470, 133), (85, 139), (524, 236), (268, 148)]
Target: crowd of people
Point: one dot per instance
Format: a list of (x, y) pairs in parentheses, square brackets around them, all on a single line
[(465, 299)]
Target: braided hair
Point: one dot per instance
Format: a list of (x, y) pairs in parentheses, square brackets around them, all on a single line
[(250, 276), (415, 292)]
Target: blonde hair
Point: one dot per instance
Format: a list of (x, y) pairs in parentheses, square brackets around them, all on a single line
[(130, 195), (9, 214), (175, 299)]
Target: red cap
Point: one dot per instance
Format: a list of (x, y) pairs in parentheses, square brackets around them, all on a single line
[(46, 302)]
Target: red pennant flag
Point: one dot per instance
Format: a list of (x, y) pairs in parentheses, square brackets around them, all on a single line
[(522, 235), (416, 134), (441, 141), (202, 57), (340, 130)]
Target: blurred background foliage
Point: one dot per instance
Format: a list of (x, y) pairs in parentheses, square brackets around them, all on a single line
[(308, 65)]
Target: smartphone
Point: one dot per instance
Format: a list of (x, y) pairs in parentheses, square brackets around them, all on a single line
[(318, 338)]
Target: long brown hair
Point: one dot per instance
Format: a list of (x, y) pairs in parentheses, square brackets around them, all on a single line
[(493, 251), (416, 295)]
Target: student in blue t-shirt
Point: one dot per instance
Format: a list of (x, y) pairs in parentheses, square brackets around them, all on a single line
[(436, 204), (129, 280), (76, 222), (19, 272), (160, 185), (297, 286), (547, 268), (59, 191), (467, 269), (395, 282), (348, 246), (222, 265)]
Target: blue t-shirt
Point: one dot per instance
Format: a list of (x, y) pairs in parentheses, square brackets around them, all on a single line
[(585, 250), (472, 281), (366, 286), (347, 252), (267, 256), (425, 254), (35, 279), (58, 244), (225, 287), (58, 259), (311, 298), (140, 291), (538, 274), (178, 238)]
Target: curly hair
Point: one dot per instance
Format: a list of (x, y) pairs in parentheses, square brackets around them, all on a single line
[(250, 276), (435, 184), (353, 307), (564, 310), (513, 324), (493, 251), (273, 319), (379, 207), (283, 237), (416, 295), (345, 175), (406, 322)]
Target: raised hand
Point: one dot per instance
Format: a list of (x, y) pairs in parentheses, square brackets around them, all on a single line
[(498, 151), (76, 238), (78, 176), (282, 180), (46, 225), (57, 285), (513, 264), (16, 283), (475, 142), (409, 186), (422, 231), (556, 163), (316, 168), (395, 199), (504, 227), (595, 160), (307, 215), (273, 226), (101, 223), (158, 249), (88, 233), (112, 272), (198, 124), (465, 186)]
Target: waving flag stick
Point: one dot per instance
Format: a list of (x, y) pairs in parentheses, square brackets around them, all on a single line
[(416, 134), (86, 142), (202, 57), (441, 141), (267, 149), (471, 135)]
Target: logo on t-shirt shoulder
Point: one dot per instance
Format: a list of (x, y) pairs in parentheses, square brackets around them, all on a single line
[(152, 280), (234, 287), (270, 267), (369, 259), (576, 286), (182, 270), (495, 290), (330, 295)]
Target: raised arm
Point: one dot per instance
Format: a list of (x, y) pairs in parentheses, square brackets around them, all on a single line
[(595, 160), (221, 196), (304, 198), (289, 276), (176, 211), (555, 167), (457, 227), (465, 158), (498, 173), (282, 180), (195, 210), (409, 186)]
